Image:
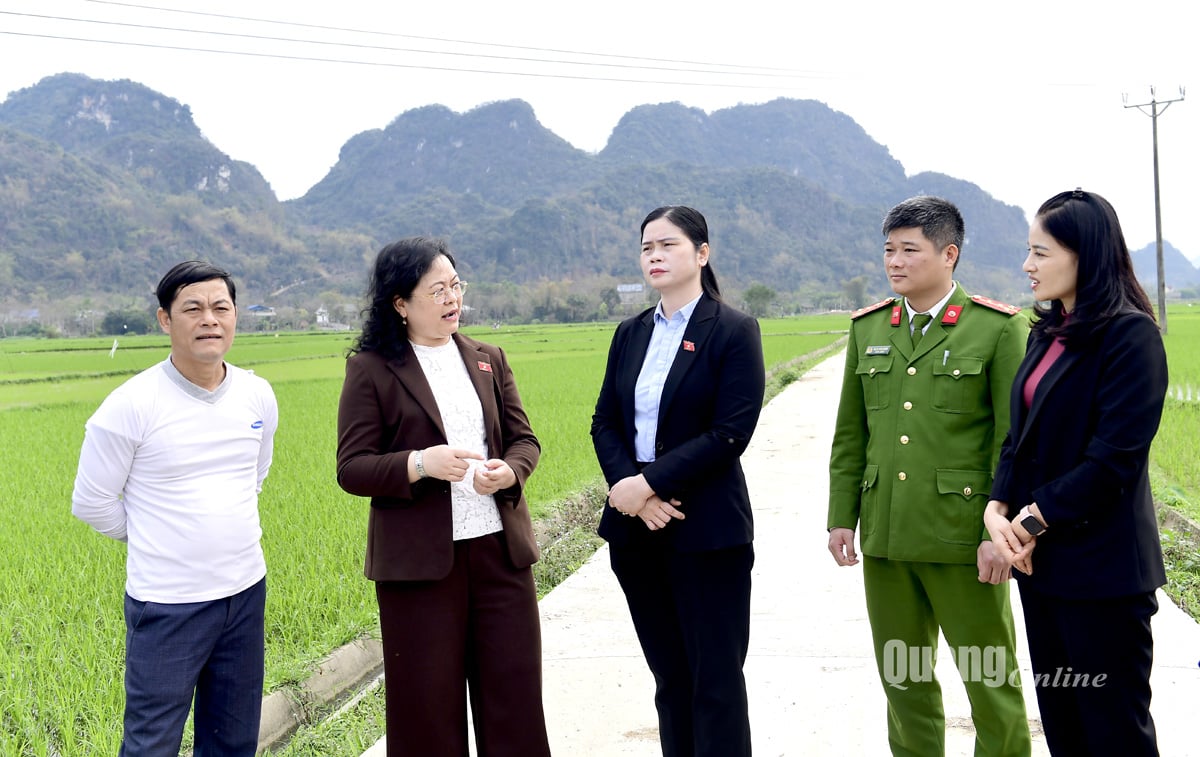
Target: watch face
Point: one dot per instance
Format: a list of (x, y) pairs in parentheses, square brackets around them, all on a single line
[(1032, 525)]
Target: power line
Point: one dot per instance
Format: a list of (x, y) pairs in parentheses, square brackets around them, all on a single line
[(384, 64), (266, 38), (322, 27)]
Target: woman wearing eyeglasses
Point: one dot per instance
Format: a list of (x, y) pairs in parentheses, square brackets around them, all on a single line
[(431, 428)]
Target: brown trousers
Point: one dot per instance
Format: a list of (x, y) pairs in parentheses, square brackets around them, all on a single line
[(476, 631)]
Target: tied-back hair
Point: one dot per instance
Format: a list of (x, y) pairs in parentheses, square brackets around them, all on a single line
[(1106, 286), (691, 222), (939, 220), (399, 267)]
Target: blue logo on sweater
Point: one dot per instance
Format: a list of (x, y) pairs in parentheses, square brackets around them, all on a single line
[(256, 424)]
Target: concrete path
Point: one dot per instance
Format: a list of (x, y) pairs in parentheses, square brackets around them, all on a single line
[(811, 673)]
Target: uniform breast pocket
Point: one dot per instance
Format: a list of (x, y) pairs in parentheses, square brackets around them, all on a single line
[(958, 384), (873, 372)]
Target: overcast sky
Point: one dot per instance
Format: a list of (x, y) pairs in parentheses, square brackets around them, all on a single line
[(1025, 101)]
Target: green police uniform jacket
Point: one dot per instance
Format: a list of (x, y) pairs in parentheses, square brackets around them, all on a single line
[(919, 432)]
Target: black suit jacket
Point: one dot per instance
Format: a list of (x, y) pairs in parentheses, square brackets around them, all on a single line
[(1081, 452), (709, 407), (387, 410)]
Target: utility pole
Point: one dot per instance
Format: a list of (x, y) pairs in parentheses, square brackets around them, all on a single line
[(1154, 112)]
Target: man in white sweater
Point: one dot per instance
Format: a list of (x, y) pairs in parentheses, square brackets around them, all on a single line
[(172, 463)]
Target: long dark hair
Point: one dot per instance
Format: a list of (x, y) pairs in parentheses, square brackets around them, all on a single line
[(691, 222), (398, 269), (1105, 286)]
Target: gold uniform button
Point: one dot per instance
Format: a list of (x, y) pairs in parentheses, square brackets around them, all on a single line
[(966, 491), (957, 372), (912, 370), (904, 438), (871, 372), (902, 476), (908, 406)]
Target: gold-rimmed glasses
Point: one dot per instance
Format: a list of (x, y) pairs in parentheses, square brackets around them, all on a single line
[(440, 296)]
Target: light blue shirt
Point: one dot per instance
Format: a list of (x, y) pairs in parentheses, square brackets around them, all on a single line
[(664, 344)]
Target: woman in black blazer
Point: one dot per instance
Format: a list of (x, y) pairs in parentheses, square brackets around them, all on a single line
[(1072, 506), (681, 396)]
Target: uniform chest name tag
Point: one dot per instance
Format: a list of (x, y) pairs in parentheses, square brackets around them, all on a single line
[(879, 349)]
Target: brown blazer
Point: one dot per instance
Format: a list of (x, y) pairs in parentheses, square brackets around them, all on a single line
[(387, 411)]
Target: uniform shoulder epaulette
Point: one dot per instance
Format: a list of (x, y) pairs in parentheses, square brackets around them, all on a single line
[(988, 302), (871, 308)]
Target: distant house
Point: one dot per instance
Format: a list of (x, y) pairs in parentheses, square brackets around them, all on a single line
[(632, 294), (260, 310), (322, 316)]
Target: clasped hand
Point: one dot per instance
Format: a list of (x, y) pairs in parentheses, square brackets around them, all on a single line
[(633, 496), (452, 464), (1011, 543)]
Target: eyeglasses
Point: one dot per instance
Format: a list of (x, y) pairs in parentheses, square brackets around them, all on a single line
[(440, 296)]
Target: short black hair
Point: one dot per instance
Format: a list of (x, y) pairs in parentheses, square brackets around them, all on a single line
[(938, 219), (187, 273)]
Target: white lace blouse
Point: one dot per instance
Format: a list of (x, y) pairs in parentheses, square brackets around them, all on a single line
[(474, 514)]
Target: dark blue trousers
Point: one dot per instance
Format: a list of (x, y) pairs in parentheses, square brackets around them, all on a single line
[(212, 651)]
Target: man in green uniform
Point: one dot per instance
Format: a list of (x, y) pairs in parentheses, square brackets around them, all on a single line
[(924, 410)]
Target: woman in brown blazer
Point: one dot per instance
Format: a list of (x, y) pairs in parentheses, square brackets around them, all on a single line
[(431, 428)]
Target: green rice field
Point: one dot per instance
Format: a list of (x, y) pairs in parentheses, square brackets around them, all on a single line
[(1176, 453), (62, 630)]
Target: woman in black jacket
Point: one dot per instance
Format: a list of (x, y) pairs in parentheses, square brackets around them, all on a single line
[(680, 400), (1071, 500)]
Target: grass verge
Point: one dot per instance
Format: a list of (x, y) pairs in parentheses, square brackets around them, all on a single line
[(785, 373), (1179, 533), (347, 732), (1181, 553)]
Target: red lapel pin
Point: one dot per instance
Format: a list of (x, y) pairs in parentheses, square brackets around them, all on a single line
[(689, 346), (487, 367)]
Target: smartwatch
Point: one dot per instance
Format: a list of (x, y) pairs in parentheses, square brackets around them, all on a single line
[(1031, 524)]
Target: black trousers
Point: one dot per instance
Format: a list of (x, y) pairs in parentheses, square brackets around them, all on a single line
[(1091, 666), (691, 611)]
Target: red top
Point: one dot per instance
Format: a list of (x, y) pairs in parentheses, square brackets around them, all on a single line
[(1043, 365)]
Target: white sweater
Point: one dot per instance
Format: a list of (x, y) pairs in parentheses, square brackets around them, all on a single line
[(175, 470)]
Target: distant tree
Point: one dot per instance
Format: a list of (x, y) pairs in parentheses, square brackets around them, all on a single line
[(611, 299), (758, 298), (34, 328), (855, 290), (580, 308), (127, 321)]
